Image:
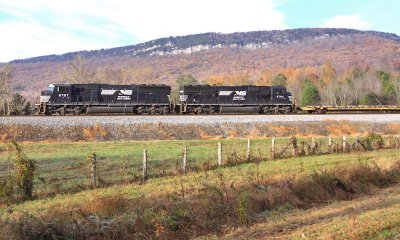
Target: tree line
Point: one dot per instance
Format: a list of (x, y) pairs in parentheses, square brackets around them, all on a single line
[(325, 85), (317, 85)]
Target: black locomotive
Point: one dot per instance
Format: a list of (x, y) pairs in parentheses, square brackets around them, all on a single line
[(104, 98), (226, 99), (156, 99)]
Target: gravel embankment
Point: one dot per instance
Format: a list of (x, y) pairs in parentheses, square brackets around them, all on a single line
[(61, 121)]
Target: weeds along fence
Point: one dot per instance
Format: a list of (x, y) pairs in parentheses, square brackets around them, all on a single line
[(253, 151), (73, 174)]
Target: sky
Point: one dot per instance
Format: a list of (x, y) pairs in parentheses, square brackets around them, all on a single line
[(32, 28)]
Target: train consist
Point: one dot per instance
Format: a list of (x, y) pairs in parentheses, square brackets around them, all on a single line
[(76, 99)]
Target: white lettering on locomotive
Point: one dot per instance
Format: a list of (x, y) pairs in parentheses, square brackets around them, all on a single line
[(241, 93), (125, 92), (63, 95)]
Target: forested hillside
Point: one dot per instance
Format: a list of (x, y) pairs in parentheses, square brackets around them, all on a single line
[(341, 66)]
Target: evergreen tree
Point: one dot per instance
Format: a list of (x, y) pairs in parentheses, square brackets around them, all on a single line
[(310, 94)]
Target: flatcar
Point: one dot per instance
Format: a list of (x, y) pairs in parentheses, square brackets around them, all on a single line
[(104, 98)]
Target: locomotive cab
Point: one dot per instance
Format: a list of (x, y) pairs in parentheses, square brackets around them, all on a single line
[(45, 95)]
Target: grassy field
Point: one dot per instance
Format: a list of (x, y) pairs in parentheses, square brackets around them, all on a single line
[(370, 217), (63, 167), (121, 200), (251, 194)]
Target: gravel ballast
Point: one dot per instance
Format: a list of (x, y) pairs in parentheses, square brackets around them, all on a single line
[(60, 121)]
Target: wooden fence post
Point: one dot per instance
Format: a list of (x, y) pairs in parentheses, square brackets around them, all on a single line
[(293, 140), (344, 144), (330, 149), (313, 145), (184, 160), (273, 148), (93, 168), (219, 154), (248, 149), (389, 142), (145, 164)]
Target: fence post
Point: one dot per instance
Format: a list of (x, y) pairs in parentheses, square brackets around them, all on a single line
[(389, 142), (184, 160), (248, 149), (273, 148), (293, 140), (313, 145), (93, 168), (344, 146), (219, 154), (145, 164), (330, 149)]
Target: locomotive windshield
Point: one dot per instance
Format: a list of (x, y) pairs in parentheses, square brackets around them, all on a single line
[(51, 88)]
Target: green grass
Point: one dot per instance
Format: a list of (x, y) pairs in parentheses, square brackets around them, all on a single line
[(65, 169)]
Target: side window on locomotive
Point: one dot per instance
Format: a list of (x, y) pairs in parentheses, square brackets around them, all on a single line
[(63, 89)]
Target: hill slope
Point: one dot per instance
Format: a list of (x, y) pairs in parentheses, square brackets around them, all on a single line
[(208, 54)]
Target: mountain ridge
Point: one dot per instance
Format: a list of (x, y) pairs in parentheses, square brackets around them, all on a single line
[(205, 41)]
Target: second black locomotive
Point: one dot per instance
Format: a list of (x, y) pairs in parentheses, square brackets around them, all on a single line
[(224, 99)]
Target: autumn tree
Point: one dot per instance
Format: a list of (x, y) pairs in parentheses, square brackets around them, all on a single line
[(279, 80)]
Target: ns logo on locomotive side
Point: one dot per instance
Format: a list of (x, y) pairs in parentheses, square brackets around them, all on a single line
[(62, 99)]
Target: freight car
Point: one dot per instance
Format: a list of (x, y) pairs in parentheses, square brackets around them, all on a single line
[(206, 99), (78, 99), (104, 98)]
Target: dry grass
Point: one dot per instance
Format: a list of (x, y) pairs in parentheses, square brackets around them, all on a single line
[(96, 132), (160, 131), (343, 128), (215, 205)]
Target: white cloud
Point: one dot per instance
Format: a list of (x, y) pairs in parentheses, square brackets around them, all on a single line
[(46, 26), (347, 21)]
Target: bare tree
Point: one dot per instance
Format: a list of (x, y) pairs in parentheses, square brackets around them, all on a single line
[(396, 84), (80, 71), (345, 92), (5, 89)]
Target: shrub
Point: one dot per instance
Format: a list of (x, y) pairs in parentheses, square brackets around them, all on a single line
[(24, 170)]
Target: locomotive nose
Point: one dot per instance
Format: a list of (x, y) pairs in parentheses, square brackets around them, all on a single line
[(45, 96)]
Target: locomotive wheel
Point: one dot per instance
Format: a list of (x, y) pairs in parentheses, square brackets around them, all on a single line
[(164, 110), (152, 110), (140, 110), (62, 111)]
